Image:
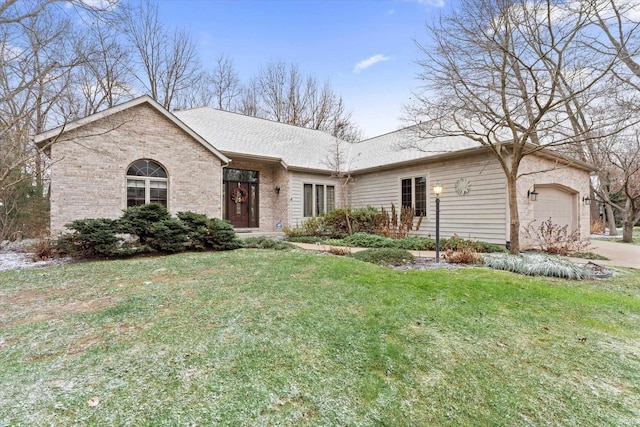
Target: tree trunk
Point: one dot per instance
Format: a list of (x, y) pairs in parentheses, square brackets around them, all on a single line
[(611, 219), (514, 226), (593, 207), (627, 222)]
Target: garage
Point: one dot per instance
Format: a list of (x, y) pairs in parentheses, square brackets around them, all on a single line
[(557, 203)]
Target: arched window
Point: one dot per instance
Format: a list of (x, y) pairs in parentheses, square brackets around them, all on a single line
[(146, 183)]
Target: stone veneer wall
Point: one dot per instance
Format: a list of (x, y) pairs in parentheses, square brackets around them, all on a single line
[(90, 164), (541, 172)]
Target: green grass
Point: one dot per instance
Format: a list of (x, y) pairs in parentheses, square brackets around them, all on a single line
[(259, 337)]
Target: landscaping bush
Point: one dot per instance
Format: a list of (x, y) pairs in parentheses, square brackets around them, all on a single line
[(90, 238), (208, 233), (151, 228), (416, 244), (555, 239), (265, 243), (385, 256), (313, 226), (137, 220), (363, 220), (334, 223), (167, 235), (304, 239), (364, 240), (536, 265), (458, 244)]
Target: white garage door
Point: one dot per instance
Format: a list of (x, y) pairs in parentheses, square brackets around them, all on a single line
[(555, 204)]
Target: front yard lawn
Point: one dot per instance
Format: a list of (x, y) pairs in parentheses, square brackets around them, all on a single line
[(259, 337)]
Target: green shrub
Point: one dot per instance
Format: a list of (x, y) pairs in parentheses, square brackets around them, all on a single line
[(206, 233), (363, 220), (536, 265), (417, 243), (90, 238), (138, 219), (304, 239), (364, 240), (335, 222), (167, 235), (222, 236), (384, 256), (155, 231), (265, 243), (313, 226), (458, 244)]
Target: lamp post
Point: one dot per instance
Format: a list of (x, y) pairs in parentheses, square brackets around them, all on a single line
[(437, 189)]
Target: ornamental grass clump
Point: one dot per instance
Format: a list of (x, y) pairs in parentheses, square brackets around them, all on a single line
[(536, 265)]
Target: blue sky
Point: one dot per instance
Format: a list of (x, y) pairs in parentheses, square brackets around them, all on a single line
[(366, 49)]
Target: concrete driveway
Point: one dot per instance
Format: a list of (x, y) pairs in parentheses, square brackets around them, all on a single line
[(619, 254)]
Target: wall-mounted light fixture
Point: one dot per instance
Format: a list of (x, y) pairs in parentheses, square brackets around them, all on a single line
[(276, 190), (532, 194), (586, 200)]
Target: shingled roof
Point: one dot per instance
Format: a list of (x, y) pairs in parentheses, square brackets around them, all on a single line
[(234, 133), (298, 147)]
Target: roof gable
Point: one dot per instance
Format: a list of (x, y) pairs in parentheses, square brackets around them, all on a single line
[(53, 134)]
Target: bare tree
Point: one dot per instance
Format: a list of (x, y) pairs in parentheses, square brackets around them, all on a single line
[(249, 102), (39, 51), (169, 62), (105, 78), (340, 163), (225, 84), (497, 73), (619, 38), (286, 95)]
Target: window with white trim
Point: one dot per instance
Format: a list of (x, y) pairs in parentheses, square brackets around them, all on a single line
[(146, 183), (413, 193), (318, 199)]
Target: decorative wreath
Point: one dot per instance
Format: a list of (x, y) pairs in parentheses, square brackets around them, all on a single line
[(239, 195)]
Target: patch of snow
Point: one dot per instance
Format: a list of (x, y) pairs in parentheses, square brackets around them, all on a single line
[(18, 255)]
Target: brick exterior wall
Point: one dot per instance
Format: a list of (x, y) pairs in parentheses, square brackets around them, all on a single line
[(272, 207), (90, 165)]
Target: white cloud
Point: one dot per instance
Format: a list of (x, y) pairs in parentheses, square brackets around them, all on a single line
[(366, 63), (436, 3)]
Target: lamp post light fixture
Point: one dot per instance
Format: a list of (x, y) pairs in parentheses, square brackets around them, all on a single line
[(437, 190)]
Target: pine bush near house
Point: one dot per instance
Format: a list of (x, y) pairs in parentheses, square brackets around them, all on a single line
[(151, 228), (90, 238), (138, 220), (206, 233)]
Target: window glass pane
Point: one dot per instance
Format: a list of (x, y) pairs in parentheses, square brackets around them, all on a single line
[(241, 175), (158, 192), (135, 192), (421, 196), (308, 200), (331, 197), (147, 168), (319, 199), (406, 193)]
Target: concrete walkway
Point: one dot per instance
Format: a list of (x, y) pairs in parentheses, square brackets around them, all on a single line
[(619, 254)]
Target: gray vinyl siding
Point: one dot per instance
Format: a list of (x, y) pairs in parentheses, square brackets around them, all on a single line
[(480, 214), (296, 184)]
